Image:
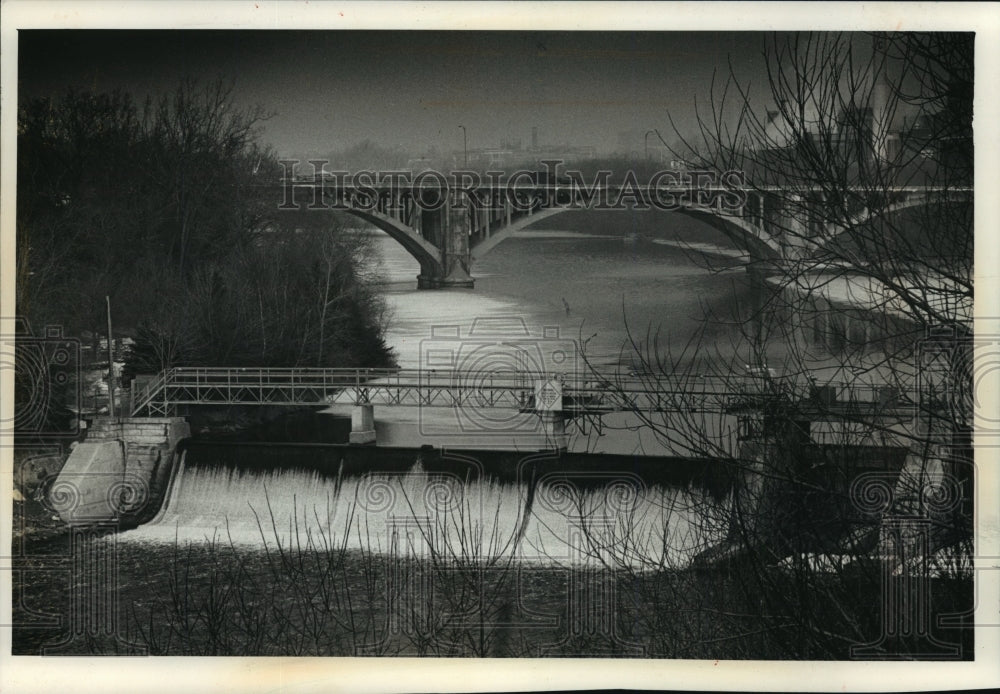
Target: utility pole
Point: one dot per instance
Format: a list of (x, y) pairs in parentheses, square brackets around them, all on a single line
[(465, 145), (111, 364)]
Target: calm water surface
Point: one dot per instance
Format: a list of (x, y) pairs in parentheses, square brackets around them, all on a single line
[(592, 275), (596, 282)]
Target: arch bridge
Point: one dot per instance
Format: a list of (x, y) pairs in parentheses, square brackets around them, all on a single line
[(447, 233)]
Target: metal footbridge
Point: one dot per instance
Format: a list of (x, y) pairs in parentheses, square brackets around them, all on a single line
[(571, 394), (409, 388)]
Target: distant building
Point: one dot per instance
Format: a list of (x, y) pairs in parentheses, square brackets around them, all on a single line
[(511, 154)]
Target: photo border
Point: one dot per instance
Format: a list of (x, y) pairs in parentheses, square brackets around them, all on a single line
[(192, 674)]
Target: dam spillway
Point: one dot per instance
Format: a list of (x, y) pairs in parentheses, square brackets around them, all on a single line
[(535, 509)]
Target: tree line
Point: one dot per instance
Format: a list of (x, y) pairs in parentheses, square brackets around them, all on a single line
[(170, 208)]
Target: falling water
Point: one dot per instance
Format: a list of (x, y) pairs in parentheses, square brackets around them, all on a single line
[(558, 518)]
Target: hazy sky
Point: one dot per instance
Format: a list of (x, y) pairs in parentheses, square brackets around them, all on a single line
[(334, 89)]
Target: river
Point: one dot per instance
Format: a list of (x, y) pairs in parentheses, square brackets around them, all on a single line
[(583, 283), (584, 273)]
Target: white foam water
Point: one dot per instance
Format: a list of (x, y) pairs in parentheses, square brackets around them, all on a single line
[(620, 523)]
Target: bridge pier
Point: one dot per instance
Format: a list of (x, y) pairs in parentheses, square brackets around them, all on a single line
[(450, 233), (549, 409), (362, 424), (554, 428), (457, 277)]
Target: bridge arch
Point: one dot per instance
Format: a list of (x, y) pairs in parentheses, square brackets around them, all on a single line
[(485, 245), (425, 252), (740, 231), (743, 234), (455, 239)]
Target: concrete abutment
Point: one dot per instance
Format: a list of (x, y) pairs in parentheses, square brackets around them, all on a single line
[(119, 473)]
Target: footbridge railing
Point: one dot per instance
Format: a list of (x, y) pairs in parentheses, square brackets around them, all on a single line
[(590, 393)]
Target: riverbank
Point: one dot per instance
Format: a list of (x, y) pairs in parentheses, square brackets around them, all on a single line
[(34, 522), (308, 599), (847, 289)]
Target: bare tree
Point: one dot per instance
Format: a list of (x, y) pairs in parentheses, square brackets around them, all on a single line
[(841, 402), (160, 206)]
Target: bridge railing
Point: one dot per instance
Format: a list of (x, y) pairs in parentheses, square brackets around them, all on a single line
[(238, 376), (456, 388), (143, 399)]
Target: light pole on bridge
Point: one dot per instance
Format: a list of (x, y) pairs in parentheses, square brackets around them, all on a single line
[(465, 145), (645, 142)]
